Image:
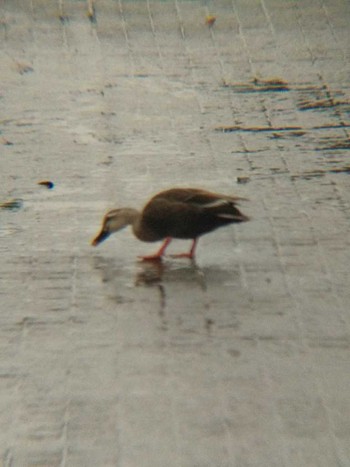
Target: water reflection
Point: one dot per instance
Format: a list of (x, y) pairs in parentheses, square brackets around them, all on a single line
[(184, 295), (152, 272), (165, 273)]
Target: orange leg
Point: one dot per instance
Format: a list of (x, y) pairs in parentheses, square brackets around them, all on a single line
[(157, 256), (190, 254)]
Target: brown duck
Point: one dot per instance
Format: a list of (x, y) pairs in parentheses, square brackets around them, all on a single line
[(185, 213)]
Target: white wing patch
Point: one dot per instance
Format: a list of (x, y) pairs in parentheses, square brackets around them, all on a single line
[(229, 216), (215, 204)]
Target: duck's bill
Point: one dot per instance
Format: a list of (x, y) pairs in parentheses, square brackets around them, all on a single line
[(100, 238)]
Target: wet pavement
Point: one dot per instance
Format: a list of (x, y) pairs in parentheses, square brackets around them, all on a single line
[(240, 359)]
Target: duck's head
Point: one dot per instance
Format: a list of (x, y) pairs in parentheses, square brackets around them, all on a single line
[(113, 221)]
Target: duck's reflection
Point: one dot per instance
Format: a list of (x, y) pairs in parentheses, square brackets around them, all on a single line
[(163, 276), (149, 272), (156, 272), (165, 286)]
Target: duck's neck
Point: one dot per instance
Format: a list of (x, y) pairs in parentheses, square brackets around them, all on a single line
[(143, 232), (130, 216)]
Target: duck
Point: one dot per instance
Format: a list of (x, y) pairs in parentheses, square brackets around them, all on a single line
[(181, 213)]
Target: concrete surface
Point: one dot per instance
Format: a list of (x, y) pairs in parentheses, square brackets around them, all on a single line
[(241, 360)]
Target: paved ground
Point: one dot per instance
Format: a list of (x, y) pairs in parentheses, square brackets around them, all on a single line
[(242, 360)]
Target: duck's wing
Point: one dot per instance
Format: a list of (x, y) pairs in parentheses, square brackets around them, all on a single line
[(196, 197), (188, 213), (168, 217)]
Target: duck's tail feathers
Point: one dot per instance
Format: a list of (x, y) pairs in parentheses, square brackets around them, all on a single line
[(226, 210)]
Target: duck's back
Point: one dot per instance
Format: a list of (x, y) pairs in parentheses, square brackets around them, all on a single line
[(194, 196)]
